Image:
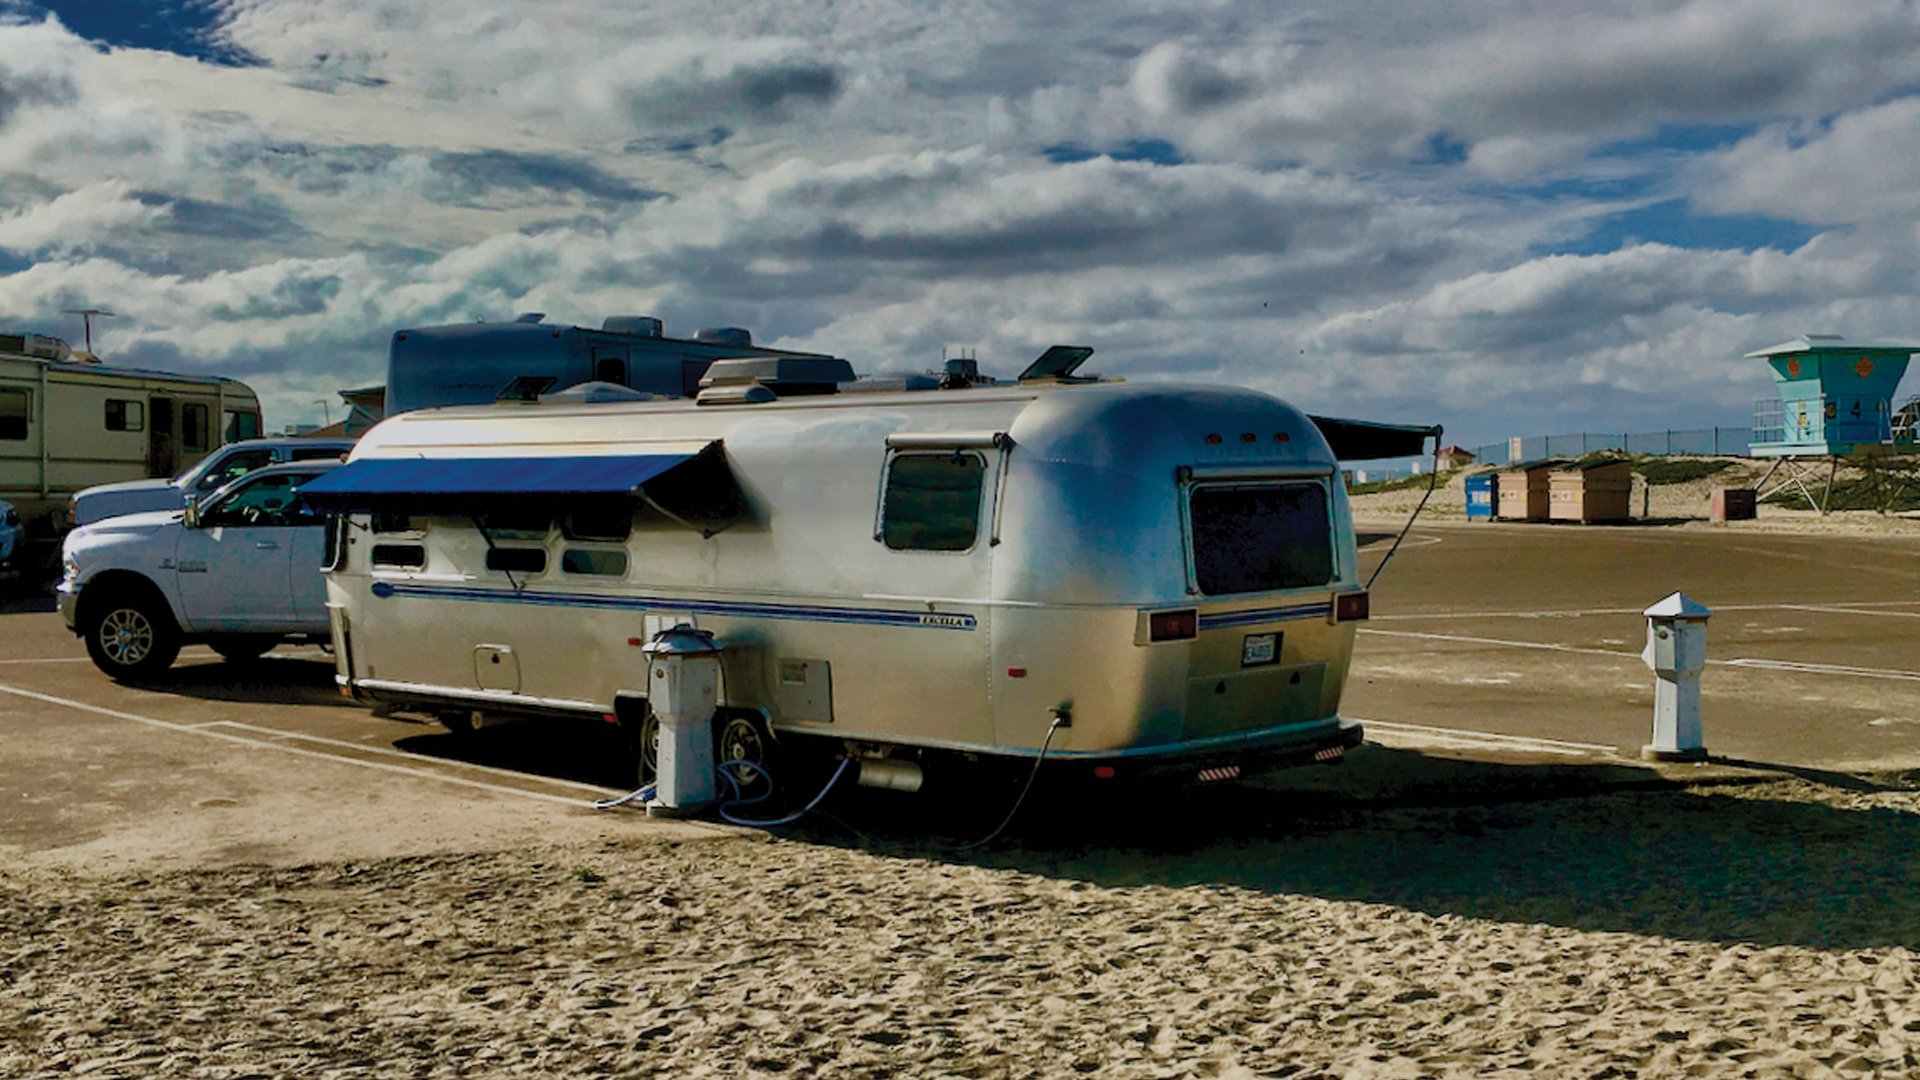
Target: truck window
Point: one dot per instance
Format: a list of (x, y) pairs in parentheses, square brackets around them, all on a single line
[(268, 501), (125, 415), (1257, 537), (932, 501), (13, 414), (233, 467)]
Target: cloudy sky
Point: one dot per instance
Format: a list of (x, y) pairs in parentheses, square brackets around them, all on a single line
[(1512, 217)]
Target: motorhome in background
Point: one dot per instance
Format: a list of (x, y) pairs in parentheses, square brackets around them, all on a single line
[(1142, 575), (68, 422), (478, 363)]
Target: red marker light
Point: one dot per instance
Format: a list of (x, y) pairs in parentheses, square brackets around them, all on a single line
[(1016, 673), (1104, 772), (1213, 440), (1173, 625), (1351, 607)]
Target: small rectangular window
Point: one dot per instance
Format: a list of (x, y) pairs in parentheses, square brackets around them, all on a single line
[(610, 525), (1255, 538), (932, 502), (517, 560), (394, 521), (193, 426), (601, 563), (399, 556), (517, 524), (14, 410), (126, 415)]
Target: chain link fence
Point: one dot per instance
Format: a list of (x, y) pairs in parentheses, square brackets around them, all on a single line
[(1731, 441)]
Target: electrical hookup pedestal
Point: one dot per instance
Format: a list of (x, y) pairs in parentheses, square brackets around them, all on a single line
[(1677, 653), (683, 689)]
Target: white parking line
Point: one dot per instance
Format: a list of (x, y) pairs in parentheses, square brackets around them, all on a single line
[(280, 745), (1741, 662), (1850, 607), (1464, 738)]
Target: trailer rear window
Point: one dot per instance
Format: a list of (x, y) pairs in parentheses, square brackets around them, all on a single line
[(13, 414), (1254, 538), (932, 502)]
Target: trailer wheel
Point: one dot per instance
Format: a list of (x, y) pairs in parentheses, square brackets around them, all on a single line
[(737, 738), (648, 739), (133, 638)]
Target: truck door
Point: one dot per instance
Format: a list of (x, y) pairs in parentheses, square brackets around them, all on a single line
[(163, 450), (234, 571)]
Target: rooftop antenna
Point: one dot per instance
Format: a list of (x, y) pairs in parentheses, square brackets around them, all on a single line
[(86, 315)]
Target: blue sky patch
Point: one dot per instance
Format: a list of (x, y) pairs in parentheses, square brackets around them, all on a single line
[(1671, 223), (1158, 151), (187, 27)]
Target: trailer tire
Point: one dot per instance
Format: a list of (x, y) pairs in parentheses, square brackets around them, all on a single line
[(132, 637), (647, 747), (741, 738)]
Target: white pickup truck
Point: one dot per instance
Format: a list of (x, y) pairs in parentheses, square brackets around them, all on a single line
[(240, 572)]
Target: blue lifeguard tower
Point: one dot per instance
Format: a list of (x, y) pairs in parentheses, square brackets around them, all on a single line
[(1836, 401)]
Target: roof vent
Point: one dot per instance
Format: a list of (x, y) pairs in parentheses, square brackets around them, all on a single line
[(642, 325), (595, 393), (723, 335), (530, 316)]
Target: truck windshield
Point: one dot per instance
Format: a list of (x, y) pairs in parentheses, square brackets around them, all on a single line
[(1258, 537)]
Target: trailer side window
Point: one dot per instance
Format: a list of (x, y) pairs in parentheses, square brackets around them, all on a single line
[(193, 426), (398, 557), (517, 560), (126, 415), (600, 563), (1254, 538), (242, 425), (611, 525), (13, 414), (932, 501)]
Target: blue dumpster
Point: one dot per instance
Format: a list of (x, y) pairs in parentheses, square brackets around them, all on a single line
[(1483, 497)]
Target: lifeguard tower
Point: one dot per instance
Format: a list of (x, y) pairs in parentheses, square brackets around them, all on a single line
[(1835, 403)]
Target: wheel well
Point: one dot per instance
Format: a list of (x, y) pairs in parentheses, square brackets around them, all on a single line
[(113, 585)]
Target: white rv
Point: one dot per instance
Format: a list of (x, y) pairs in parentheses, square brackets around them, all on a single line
[(68, 423), (1154, 575)]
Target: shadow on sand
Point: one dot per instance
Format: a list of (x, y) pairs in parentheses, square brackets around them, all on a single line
[(1589, 847)]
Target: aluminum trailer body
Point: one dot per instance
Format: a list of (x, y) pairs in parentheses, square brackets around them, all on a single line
[(900, 574)]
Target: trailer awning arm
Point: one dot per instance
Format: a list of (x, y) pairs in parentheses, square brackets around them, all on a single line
[(1364, 440)]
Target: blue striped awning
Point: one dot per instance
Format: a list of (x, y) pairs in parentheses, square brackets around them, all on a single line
[(359, 483)]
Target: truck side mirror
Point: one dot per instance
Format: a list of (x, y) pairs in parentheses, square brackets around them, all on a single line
[(191, 519)]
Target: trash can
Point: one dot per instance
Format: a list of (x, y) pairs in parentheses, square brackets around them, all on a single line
[(1588, 491), (1483, 497), (1524, 492), (1732, 504)]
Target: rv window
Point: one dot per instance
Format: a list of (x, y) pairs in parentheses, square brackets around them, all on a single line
[(241, 425), (193, 426), (517, 524), (610, 525), (932, 501), (393, 521), (126, 415), (398, 557), (589, 561), (1260, 537), (13, 414), (517, 560)]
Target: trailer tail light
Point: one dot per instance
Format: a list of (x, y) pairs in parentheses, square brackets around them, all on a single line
[(1350, 607), (1173, 625)]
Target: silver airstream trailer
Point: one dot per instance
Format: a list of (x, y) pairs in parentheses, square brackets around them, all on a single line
[(1154, 575)]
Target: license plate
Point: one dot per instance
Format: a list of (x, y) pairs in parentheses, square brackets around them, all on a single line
[(1258, 649)]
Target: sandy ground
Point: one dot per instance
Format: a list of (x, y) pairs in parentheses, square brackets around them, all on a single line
[(1734, 929)]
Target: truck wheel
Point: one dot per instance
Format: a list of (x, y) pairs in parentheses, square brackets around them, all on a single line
[(134, 638), (242, 648)]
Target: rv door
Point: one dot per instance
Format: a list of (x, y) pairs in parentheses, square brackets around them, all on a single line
[(163, 450)]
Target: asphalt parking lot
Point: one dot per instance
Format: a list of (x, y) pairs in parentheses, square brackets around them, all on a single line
[(1507, 643), (1534, 632)]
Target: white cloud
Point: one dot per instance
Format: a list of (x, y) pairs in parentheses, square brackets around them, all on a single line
[(76, 219)]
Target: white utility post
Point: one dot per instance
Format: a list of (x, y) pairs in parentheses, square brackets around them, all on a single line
[(1677, 653), (683, 690)]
